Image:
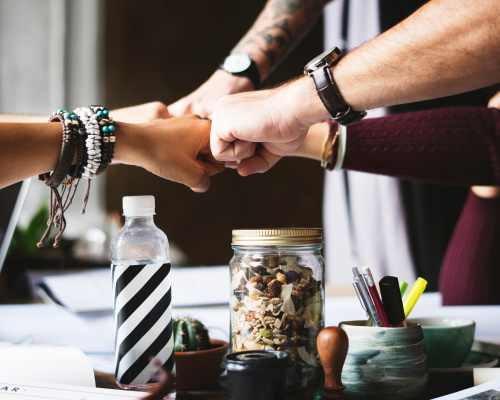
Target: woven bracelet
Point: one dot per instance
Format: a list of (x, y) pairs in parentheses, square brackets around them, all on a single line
[(58, 204), (70, 137)]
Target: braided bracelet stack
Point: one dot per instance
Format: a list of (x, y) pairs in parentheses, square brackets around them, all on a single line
[(88, 133)]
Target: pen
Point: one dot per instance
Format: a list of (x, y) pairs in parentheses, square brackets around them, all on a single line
[(402, 287), (365, 298), (367, 274), (413, 295), (391, 298)]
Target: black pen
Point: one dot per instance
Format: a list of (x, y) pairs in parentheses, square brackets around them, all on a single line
[(391, 299)]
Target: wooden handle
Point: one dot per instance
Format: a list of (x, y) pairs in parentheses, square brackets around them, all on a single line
[(332, 349)]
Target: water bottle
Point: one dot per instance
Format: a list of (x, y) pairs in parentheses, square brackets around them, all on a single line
[(140, 262)]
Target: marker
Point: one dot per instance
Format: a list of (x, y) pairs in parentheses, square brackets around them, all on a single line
[(402, 287), (413, 295), (367, 275), (391, 298), (365, 298)]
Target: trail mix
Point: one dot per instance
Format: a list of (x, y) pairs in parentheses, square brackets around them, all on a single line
[(277, 305)]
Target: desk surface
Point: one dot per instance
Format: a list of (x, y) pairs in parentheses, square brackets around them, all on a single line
[(43, 324), (439, 385)]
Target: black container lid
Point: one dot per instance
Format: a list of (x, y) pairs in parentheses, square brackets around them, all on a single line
[(255, 359)]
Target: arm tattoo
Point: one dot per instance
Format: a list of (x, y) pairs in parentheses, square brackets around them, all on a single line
[(279, 27)]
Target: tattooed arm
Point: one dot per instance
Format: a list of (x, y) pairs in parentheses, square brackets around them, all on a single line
[(279, 27)]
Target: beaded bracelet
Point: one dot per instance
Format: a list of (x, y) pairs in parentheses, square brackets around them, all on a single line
[(100, 139), (108, 139)]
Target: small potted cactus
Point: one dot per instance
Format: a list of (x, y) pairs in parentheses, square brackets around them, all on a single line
[(197, 357)]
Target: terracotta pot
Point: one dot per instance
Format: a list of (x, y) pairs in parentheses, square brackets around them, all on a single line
[(198, 369)]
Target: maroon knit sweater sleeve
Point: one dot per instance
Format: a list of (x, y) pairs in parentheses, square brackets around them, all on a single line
[(471, 271), (454, 146)]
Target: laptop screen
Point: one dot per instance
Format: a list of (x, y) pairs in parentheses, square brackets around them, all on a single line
[(11, 203)]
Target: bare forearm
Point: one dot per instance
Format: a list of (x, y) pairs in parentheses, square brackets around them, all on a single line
[(446, 47), (27, 150), (23, 118), (278, 29)]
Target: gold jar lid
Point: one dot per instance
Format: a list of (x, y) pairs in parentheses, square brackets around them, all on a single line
[(263, 237)]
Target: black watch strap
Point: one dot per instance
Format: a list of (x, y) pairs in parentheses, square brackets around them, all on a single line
[(331, 98), (252, 73)]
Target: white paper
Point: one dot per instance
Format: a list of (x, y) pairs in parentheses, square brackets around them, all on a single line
[(51, 324), (25, 390), (483, 375), (90, 291), (50, 364), (488, 390)]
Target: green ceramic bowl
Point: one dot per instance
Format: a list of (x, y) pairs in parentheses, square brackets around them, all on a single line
[(384, 363), (448, 340)]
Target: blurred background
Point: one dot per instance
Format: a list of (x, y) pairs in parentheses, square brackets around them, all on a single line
[(68, 53)]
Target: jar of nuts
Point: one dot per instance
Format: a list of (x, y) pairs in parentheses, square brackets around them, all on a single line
[(277, 296)]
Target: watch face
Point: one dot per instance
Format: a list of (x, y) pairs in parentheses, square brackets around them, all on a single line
[(327, 57), (235, 63)]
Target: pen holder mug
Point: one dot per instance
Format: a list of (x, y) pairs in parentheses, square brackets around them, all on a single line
[(384, 363)]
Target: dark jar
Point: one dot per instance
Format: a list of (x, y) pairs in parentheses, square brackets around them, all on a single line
[(277, 299)]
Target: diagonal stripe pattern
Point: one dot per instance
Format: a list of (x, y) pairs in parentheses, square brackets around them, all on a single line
[(143, 322)]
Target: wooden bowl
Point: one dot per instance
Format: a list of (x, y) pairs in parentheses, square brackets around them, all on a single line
[(198, 369)]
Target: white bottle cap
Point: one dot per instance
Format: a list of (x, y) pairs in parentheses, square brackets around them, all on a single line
[(138, 206)]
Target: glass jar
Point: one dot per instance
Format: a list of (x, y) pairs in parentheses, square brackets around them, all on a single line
[(277, 296)]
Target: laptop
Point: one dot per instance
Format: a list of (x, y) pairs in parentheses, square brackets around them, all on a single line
[(12, 200)]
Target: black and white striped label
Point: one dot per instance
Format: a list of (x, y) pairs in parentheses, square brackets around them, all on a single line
[(143, 322)]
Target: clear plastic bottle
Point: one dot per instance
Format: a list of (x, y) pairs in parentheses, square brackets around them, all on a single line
[(140, 261)]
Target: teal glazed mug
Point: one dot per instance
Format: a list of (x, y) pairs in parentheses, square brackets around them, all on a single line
[(384, 363), (448, 340)]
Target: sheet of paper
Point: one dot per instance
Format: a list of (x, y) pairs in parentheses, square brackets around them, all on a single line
[(25, 390), (488, 390), (51, 364), (483, 375), (90, 291), (51, 324)]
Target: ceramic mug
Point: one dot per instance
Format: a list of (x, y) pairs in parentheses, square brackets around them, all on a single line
[(384, 363), (448, 340)]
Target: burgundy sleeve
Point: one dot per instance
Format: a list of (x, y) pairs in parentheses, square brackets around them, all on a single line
[(454, 146), (470, 272)]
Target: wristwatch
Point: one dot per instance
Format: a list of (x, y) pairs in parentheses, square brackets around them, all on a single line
[(242, 65), (319, 71)]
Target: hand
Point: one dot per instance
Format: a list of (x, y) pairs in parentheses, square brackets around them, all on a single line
[(203, 99), (177, 149), (252, 131), (142, 113)]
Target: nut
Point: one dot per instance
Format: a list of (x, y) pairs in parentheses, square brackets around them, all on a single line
[(281, 277), (273, 288), (256, 278), (250, 316)]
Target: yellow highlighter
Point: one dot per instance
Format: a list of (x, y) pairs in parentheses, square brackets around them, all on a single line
[(413, 295)]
